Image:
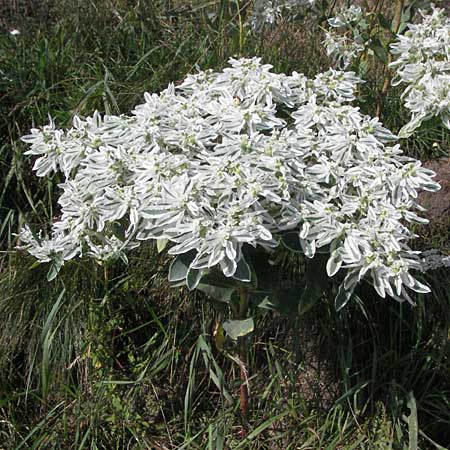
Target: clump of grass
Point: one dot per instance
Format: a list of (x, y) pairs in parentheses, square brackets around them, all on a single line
[(130, 362)]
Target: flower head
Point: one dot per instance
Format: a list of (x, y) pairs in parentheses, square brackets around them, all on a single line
[(235, 159)]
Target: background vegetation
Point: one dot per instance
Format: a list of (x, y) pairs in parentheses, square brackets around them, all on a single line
[(111, 357)]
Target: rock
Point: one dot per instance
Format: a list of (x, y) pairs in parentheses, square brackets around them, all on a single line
[(438, 203), (436, 234)]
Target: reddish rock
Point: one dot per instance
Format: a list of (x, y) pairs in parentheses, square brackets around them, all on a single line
[(436, 234), (438, 203)]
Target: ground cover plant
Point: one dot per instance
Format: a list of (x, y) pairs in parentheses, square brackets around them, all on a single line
[(107, 356)]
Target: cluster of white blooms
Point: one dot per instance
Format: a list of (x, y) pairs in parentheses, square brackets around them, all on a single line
[(268, 12), (423, 63), (344, 41), (433, 260), (235, 159)]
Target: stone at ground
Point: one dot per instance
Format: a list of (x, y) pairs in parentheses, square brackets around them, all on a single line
[(438, 203), (436, 234)]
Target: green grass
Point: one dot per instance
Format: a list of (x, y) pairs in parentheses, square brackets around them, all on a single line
[(113, 358), (133, 362)]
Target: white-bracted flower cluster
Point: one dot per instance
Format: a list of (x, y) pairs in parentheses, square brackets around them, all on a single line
[(434, 260), (423, 63), (269, 12), (345, 40), (233, 159)]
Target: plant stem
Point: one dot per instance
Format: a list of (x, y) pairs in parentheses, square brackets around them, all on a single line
[(241, 28), (396, 21), (105, 282), (242, 350)]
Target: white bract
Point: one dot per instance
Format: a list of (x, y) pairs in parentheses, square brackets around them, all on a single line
[(423, 63), (345, 40), (234, 159), (434, 260)]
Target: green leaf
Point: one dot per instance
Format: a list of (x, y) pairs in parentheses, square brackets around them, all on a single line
[(161, 244), (55, 267), (35, 264), (316, 282), (267, 304), (291, 241), (308, 299), (362, 68), (406, 14), (243, 272), (284, 300), (384, 22), (265, 271), (215, 277), (119, 230), (221, 294), (287, 298), (179, 268), (380, 51), (193, 278), (342, 297), (217, 286), (238, 328)]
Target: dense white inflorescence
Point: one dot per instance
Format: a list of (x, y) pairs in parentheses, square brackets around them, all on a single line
[(237, 158), (423, 63), (433, 260), (344, 41)]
